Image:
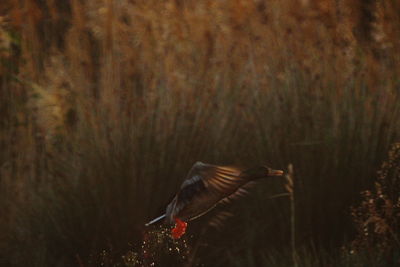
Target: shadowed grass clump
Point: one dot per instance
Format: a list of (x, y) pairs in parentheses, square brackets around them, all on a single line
[(156, 249), (377, 217), (105, 105)]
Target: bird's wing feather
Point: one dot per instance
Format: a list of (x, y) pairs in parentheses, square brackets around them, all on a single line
[(190, 188), (205, 186), (240, 192), (222, 180)]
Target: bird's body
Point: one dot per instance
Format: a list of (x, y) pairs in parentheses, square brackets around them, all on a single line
[(207, 185)]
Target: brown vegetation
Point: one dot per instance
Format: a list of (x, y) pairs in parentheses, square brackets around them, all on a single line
[(104, 105), (377, 218)]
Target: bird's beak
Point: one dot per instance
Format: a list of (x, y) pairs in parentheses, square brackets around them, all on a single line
[(275, 173)]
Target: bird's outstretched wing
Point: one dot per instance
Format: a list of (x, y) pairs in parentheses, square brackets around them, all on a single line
[(222, 180), (207, 185), (204, 187)]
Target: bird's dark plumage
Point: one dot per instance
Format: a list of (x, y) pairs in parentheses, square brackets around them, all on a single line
[(206, 185)]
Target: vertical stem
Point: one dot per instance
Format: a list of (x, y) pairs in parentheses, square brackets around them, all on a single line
[(290, 189)]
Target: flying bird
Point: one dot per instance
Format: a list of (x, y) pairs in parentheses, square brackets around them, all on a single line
[(205, 186)]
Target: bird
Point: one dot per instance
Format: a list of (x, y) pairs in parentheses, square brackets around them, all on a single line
[(206, 186)]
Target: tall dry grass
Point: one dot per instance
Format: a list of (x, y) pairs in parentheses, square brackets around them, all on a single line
[(105, 105)]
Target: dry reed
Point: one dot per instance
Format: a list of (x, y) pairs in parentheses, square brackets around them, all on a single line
[(105, 104)]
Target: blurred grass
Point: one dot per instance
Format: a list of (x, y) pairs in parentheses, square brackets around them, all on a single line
[(105, 105)]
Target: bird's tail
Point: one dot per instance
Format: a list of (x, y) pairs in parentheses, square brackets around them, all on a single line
[(159, 218)]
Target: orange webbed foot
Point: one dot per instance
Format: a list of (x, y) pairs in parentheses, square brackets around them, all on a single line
[(179, 229)]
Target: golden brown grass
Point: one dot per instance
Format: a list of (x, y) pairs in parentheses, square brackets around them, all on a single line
[(104, 105)]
